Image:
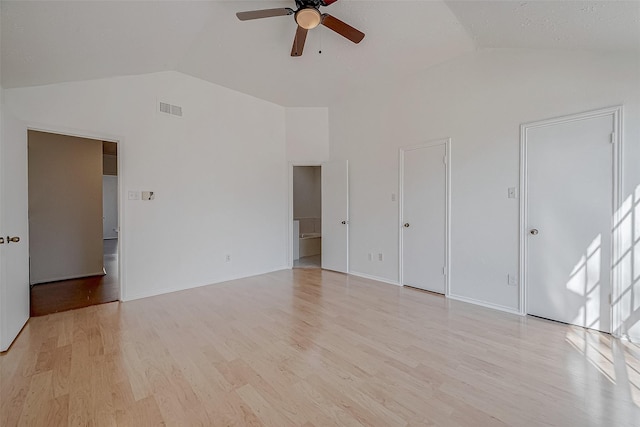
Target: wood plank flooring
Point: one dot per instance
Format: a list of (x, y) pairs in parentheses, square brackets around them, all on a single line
[(308, 347), (63, 295)]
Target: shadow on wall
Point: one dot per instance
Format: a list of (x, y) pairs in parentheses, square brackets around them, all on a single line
[(626, 267)]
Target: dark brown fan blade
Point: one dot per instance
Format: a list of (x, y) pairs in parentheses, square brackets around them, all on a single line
[(264, 13), (345, 30), (298, 41)]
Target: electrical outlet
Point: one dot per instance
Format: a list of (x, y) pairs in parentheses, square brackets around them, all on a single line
[(133, 195), (512, 280), (380, 256), (512, 193), (227, 258)]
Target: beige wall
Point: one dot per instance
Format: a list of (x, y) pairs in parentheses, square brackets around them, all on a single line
[(109, 164), (65, 207), (306, 192)]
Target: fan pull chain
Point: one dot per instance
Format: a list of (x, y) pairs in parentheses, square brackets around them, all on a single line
[(320, 40)]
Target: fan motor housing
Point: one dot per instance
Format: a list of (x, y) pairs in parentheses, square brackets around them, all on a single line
[(313, 3)]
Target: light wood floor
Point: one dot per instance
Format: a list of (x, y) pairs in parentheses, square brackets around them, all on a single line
[(313, 348)]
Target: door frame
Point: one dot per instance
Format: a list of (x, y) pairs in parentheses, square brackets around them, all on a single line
[(447, 217), (616, 114), (290, 167), (82, 133)]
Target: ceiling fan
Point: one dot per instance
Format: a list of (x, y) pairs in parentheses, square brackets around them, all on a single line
[(307, 16)]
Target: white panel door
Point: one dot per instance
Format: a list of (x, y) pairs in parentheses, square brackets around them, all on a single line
[(335, 216), (424, 218), (110, 207), (14, 287), (569, 216)]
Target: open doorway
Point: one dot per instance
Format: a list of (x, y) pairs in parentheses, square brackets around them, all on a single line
[(73, 222), (307, 217)]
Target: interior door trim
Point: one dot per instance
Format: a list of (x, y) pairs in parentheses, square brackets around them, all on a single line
[(291, 236), (447, 217), (616, 113), (120, 140)]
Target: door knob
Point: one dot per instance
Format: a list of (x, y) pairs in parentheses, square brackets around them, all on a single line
[(533, 231), (15, 239), (406, 225), (1, 240), (344, 222)]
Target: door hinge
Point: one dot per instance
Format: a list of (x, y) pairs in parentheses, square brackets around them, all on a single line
[(609, 299), (613, 138), (444, 160), (444, 271)]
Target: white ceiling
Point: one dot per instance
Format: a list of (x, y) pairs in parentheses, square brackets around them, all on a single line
[(593, 25), (48, 42)]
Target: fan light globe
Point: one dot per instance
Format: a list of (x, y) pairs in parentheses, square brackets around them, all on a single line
[(308, 18)]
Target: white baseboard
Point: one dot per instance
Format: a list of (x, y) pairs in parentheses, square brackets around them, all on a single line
[(485, 304), (377, 279), (155, 292)]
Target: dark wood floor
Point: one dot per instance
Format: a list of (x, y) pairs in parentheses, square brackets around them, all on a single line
[(47, 298)]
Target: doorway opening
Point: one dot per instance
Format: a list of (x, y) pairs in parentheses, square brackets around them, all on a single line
[(73, 222), (307, 217)]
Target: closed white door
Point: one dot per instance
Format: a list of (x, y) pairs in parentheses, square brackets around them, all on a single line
[(335, 216), (14, 283), (569, 194), (109, 207), (424, 218)]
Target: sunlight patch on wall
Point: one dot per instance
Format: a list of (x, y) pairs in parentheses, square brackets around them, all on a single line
[(626, 267)]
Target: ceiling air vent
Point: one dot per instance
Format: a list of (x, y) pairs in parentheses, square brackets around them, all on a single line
[(174, 110)]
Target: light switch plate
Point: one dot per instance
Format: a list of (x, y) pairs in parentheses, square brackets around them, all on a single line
[(133, 195), (148, 195)]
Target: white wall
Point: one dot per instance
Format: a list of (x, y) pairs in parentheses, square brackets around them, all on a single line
[(109, 207), (219, 173), (307, 134), (478, 100)]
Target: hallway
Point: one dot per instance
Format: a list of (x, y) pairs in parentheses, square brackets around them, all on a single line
[(53, 297)]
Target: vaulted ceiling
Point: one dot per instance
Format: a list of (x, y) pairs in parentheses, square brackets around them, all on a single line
[(57, 41)]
